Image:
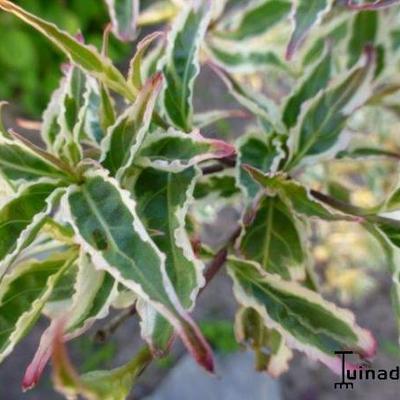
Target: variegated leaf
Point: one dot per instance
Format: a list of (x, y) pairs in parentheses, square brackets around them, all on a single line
[(175, 151), (375, 5), (298, 195), (272, 354), (307, 13), (181, 65), (319, 132), (256, 19), (335, 34), (19, 163), (50, 129), (108, 229), (135, 67), (152, 59), (107, 109), (58, 303), (364, 32), (23, 294), (92, 295), (86, 57), (221, 185), (241, 60), (305, 320), (260, 151), (22, 216), (204, 119), (124, 14), (158, 12), (315, 80), (163, 200), (125, 137), (61, 297), (70, 116), (274, 238)]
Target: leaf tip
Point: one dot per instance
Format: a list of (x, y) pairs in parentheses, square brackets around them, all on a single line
[(369, 345), (290, 50), (223, 149)]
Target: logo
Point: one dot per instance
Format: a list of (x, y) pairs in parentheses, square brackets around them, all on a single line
[(363, 372)]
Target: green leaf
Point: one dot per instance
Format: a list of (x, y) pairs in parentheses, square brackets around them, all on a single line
[(272, 354), (125, 137), (274, 238), (22, 216), (181, 66), (124, 14), (256, 19), (108, 229), (305, 320), (163, 200), (86, 57), (315, 80), (260, 151), (319, 132), (175, 151), (23, 294), (18, 162), (364, 32), (308, 13)]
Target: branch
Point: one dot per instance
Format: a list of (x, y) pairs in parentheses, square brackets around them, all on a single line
[(220, 258), (102, 335)]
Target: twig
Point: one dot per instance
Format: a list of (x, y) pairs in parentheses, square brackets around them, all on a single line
[(220, 258), (102, 335), (212, 169), (223, 163)]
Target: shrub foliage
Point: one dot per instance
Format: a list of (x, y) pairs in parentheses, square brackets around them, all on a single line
[(104, 214)]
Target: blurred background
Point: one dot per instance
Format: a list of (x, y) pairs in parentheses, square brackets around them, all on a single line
[(350, 264)]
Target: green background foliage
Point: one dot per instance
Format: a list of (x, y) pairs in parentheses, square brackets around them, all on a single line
[(30, 68)]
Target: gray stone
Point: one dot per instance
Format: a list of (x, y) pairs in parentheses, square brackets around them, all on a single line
[(236, 379)]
